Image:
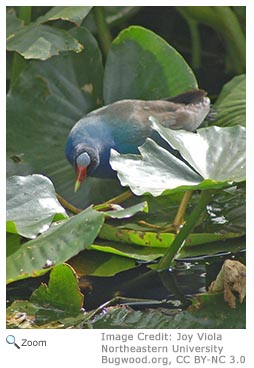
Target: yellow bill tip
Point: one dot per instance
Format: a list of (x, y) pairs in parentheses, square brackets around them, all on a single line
[(77, 185)]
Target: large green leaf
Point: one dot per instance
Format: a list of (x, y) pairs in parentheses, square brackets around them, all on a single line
[(231, 105), (217, 157), (43, 105), (31, 205), (42, 42), (68, 237), (74, 14), (56, 246), (141, 65), (37, 41), (62, 291)]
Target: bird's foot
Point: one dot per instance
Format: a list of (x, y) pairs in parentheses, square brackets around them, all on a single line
[(174, 228)]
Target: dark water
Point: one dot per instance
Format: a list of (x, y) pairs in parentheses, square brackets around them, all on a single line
[(171, 288)]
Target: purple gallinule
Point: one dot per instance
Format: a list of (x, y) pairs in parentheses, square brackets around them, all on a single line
[(125, 125)]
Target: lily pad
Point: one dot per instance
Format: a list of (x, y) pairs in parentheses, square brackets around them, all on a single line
[(62, 291), (146, 66), (57, 245), (215, 153), (31, 205), (75, 14), (216, 158), (42, 42)]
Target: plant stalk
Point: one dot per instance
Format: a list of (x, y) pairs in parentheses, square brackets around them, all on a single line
[(25, 13), (166, 261), (19, 62), (104, 34), (195, 38)]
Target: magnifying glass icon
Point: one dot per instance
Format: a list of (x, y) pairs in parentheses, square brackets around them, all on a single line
[(10, 339)]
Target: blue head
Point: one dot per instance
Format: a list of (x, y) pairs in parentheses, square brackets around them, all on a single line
[(84, 159)]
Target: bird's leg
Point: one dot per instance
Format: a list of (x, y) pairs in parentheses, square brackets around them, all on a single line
[(179, 218), (157, 227), (67, 205), (116, 200), (99, 207)]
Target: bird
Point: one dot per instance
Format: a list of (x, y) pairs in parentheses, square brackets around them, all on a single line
[(124, 126)]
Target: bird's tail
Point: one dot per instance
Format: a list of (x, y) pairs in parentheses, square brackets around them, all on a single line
[(190, 97)]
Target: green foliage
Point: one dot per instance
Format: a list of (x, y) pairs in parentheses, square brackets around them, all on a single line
[(74, 14), (73, 75), (59, 299), (38, 41), (223, 19), (47, 103), (231, 104), (62, 291), (211, 313), (208, 311), (61, 242), (32, 206)]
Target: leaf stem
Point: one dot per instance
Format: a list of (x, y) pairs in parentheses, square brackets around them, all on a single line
[(102, 28), (182, 210), (166, 261), (224, 21), (25, 13), (195, 38)]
